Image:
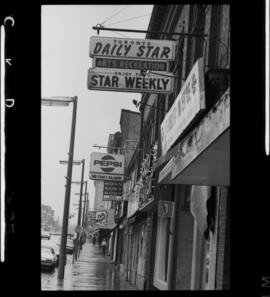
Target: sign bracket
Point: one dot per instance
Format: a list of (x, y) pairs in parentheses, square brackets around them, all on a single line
[(99, 27)]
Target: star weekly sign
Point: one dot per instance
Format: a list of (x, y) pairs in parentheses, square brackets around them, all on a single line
[(130, 53)]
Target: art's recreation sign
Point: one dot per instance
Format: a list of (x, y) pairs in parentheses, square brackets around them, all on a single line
[(132, 48), (118, 63), (129, 81), (186, 107)]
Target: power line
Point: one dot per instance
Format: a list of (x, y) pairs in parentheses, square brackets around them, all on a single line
[(129, 19), (114, 14)]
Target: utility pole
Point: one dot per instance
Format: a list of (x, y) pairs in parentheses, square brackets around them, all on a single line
[(79, 215)]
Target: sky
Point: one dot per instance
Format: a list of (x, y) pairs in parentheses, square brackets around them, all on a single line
[(65, 39)]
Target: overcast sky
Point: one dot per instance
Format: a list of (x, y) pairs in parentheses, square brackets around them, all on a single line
[(66, 31)]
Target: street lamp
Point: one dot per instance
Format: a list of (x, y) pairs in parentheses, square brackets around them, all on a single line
[(138, 103), (65, 101)]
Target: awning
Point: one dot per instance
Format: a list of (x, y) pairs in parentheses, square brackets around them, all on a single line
[(203, 156), (165, 175)]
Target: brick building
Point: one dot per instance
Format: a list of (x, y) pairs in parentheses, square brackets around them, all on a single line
[(186, 168), (172, 229)]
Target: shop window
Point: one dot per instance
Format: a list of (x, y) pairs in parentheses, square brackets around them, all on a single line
[(162, 253)]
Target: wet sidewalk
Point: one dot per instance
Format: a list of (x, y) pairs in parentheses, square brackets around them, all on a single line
[(91, 271)]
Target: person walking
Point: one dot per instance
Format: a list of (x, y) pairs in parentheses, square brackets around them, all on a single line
[(104, 245)]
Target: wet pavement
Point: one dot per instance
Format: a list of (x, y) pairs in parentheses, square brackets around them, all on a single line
[(91, 271)]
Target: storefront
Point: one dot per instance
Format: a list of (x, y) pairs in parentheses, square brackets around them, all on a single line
[(198, 170)]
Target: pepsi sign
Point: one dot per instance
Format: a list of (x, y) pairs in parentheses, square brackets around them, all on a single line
[(106, 165)]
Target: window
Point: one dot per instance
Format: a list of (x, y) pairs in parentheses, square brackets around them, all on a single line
[(185, 204), (162, 253)]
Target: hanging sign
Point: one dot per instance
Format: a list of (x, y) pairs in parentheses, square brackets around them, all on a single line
[(186, 107), (132, 48), (165, 208), (129, 81), (112, 191), (106, 167), (101, 217), (118, 63)]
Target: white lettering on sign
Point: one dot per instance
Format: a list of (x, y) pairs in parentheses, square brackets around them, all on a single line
[(132, 48), (104, 62), (129, 81), (186, 107)]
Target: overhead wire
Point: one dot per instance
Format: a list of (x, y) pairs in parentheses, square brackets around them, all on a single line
[(129, 19), (115, 14)]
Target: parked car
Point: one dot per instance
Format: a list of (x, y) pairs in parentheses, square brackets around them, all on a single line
[(69, 246), (48, 258), (45, 234), (54, 246)]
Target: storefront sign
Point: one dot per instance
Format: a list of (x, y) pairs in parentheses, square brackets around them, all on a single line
[(132, 48), (112, 191), (165, 208), (166, 171), (101, 217), (129, 81), (203, 156), (153, 65), (187, 106), (106, 167)]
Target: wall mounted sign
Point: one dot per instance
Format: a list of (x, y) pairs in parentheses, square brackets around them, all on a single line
[(132, 48), (129, 81), (112, 191), (101, 217), (165, 208), (106, 167), (187, 106), (118, 63)]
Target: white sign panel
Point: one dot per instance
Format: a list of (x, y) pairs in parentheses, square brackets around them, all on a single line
[(132, 48), (106, 166), (129, 81), (187, 106)]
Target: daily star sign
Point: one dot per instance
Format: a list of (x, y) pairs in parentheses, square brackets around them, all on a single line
[(106, 167), (130, 51)]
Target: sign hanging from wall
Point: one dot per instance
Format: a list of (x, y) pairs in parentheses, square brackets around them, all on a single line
[(101, 217), (108, 167), (112, 191), (132, 48), (187, 106), (129, 81), (165, 208), (118, 63)]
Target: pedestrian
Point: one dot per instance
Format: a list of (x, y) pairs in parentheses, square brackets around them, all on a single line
[(94, 240), (104, 245)]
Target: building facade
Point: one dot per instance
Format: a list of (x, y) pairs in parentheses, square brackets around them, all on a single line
[(172, 229), (186, 248)]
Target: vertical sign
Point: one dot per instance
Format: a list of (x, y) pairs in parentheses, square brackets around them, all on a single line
[(186, 107)]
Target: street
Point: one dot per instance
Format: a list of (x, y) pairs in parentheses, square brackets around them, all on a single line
[(91, 271)]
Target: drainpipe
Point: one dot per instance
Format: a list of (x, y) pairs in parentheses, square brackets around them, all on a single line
[(173, 241)]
